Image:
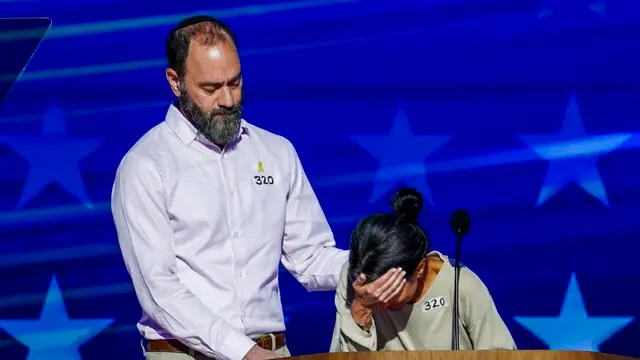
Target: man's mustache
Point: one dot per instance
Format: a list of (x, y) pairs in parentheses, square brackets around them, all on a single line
[(227, 111)]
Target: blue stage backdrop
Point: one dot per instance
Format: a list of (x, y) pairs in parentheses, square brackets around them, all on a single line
[(524, 112)]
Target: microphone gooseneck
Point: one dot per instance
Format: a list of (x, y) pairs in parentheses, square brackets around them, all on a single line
[(460, 224)]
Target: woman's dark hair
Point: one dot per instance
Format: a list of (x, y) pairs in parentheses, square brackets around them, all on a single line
[(384, 241)]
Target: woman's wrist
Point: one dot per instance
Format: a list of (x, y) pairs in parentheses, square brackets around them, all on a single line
[(361, 314)]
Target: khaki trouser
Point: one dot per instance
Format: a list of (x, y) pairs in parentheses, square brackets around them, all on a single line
[(284, 351)]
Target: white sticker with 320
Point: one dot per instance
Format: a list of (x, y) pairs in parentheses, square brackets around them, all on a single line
[(435, 303)]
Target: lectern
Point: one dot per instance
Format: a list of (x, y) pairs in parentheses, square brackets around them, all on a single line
[(465, 355)]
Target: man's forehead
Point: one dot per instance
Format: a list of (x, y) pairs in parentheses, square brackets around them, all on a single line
[(213, 63), (218, 51), (214, 52), (217, 55), (212, 80), (204, 75)]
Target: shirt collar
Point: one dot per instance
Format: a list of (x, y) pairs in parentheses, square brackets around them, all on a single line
[(442, 257), (185, 130)]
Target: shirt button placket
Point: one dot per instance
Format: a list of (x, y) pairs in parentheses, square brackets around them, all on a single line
[(234, 216)]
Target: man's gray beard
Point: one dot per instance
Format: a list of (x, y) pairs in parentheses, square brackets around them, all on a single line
[(220, 126)]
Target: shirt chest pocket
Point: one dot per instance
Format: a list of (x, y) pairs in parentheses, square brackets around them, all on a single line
[(197, 204)]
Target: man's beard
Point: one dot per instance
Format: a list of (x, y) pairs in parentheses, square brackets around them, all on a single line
[(220, 126)]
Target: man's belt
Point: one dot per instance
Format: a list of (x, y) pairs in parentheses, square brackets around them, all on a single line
[(272, 342)]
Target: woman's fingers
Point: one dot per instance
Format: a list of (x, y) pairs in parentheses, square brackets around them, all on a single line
[(395, 275), (398, 289), (381, 290), (360, 280), (394, 288), (381, 284)]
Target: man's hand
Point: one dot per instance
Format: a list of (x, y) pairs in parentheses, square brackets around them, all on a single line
[(258, 353), (379, 291)]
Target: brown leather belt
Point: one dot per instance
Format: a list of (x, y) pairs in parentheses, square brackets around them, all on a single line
[(174, 346), (273, 341)]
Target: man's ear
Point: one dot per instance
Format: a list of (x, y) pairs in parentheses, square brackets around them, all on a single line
[(174, 81)]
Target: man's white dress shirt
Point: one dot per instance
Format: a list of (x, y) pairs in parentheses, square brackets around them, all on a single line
[(202, 232)]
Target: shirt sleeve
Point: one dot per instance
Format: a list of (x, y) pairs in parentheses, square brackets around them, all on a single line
[(145, 235), (347, 335), (309, 250), (481, 319)]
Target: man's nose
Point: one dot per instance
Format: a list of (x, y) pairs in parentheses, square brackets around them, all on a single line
[(225, 100)]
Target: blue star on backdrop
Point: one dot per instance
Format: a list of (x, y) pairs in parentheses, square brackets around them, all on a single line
[(492, 68), (599, 7), (574, 329), (573, 155), (54, 335), (549, 7), (401, 155), (54, 157)]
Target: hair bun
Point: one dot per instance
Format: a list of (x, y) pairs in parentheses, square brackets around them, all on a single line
[(408, 203)]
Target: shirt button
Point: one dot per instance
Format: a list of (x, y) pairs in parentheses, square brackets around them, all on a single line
[(235, 234)]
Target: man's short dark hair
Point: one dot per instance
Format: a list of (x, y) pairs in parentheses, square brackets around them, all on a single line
[(208, 30)]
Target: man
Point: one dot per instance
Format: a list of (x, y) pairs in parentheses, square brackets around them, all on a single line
[(206, 205)]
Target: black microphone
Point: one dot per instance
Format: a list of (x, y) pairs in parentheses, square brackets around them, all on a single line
[(460, 224)]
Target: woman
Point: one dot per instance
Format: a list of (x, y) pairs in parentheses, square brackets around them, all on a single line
[(395, 294)]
